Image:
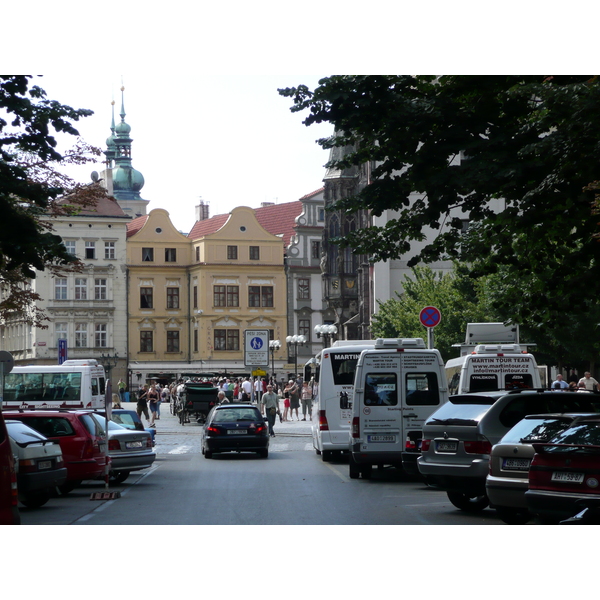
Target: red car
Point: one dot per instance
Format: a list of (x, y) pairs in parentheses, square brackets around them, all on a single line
[(565, 470), (9, 511), (81, 438)]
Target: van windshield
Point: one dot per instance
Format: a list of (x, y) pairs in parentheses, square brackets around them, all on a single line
[(343, 367)]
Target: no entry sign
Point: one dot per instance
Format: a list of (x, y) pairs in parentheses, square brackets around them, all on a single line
[(430, 316)]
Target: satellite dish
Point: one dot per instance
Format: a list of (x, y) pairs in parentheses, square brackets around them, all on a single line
[(95, 176)]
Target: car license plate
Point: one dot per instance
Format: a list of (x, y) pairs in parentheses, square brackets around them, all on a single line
[(45, 464), (517, 464), (382, 438), (446, 446), (567, 476), (237, 431), (133, 444)]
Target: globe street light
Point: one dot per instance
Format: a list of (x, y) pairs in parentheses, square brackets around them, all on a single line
[(274, 346), (295, 340), (327, 331)]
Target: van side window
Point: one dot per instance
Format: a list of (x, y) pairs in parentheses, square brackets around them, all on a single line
[(381, 389), (422, 389)]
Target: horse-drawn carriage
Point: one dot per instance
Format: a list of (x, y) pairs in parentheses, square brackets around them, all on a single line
[(195, 399)]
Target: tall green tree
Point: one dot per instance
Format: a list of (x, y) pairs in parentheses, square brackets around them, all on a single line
[(446, 147), (30, 185)]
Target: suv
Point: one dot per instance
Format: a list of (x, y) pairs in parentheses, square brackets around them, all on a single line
[(9, 510), (40, 464), (81, 438), (458, 437)]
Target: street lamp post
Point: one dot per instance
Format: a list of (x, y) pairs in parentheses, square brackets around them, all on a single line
[(295, 340), (109, 362), (274, 346), (327, 331)]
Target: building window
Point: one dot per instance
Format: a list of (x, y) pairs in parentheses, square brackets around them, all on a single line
[(172, 297), (267, 295), (195, 296), (226, 295), (109, 250), (81, 335), (260, 296), (146, 297), (315, 249), (147, 254), (321, 216), (303, 288), (70, 247), (254, 252), (60, 330), (197, 253), (60, 288), (100, 335), (254, 296), (304, 328), (227, 339), (172, 341), (170, 254), (195, 340), (90, 250), (80, 288), (100, 289), (232, 252), (146, 341)]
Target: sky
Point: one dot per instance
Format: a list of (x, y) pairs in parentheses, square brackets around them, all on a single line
[(230, 140)]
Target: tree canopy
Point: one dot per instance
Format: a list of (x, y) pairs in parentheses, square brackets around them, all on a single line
[(30, 184), (445, 148)]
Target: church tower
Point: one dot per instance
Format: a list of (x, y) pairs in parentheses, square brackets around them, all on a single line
[(120, 178)]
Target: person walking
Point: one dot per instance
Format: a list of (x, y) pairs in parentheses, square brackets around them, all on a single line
[(121, 385), (246, 390), (559, 383), (222, 398), (270, 404), (294, 394), (306, 401), (142, 403), (153, 403), (589, 382)]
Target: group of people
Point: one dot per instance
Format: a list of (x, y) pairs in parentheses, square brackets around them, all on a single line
[(586, 384), (150, 398)]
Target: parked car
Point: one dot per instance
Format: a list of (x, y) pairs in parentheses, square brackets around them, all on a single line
[(129, 450), (81, 440), (565, 471), (9, 502), (40, 466), (458, 437), (235, 428), (508, 477), (130, 420)]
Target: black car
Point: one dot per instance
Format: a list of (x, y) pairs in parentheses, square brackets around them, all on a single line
[(235, 428)]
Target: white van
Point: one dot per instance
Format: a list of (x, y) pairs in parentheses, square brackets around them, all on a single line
[(399, 383), (492, 367), (333, 405), (74, 384)]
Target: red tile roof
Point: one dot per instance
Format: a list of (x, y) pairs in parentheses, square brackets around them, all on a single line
[(134, 226), (277, 219)]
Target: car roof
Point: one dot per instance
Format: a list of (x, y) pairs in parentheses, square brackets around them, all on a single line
[(53, 412)]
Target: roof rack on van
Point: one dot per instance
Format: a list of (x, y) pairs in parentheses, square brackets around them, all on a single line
[(499, 349), (86, 362), (399, 343)]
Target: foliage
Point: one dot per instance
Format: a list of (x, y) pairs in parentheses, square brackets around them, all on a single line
[(447, 148), (30, 187)]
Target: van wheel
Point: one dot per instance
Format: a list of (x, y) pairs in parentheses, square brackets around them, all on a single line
[(318, 452), (366, 471), (120, 476), (35, 499), (65, 488), (327, 455), (354, 469), (468, 503), (514, 516)]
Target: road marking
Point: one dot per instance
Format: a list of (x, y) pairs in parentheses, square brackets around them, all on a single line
[(180, 450)]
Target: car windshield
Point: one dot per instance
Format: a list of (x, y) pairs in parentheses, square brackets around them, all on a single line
[(538, 429), (583, 433), (22, 434), (242, 413)]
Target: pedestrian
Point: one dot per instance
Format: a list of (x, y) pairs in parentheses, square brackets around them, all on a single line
[(286, 405), (306, 401), (142, 403), (121, 385), (589, 382), (153, 398), (559, 383), (294, 395), (116, 400), (164, 397), (270, 404), (222, 398), (246, 390)]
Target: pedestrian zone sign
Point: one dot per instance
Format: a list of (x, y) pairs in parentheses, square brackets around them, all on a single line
[(256, 347)]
